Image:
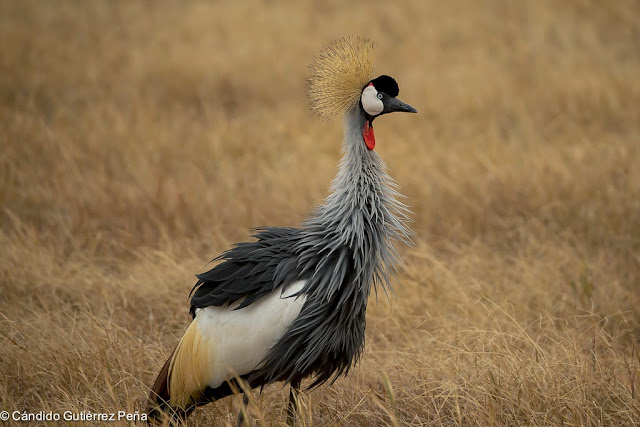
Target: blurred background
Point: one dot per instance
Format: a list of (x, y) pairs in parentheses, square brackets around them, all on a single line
[(140, 139)]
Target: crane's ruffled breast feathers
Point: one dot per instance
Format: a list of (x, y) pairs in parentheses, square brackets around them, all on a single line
[(338, 74)]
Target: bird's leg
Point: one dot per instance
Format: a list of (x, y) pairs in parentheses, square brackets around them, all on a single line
[(294, 391), (244, 412)]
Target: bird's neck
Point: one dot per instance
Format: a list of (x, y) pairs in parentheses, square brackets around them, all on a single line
[(362, 212), (362, 181)]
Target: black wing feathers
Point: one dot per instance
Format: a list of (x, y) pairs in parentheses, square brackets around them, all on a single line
[(249, 271)]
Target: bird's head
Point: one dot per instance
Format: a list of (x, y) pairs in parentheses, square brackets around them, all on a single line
[(340, 80), (379, 97)]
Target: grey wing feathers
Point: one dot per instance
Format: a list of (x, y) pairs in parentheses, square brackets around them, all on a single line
[(249, 270)]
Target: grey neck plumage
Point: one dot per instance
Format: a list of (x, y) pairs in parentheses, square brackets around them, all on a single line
[(362, 212)]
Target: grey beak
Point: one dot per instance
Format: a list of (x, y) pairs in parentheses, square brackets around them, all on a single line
[(393, 104)]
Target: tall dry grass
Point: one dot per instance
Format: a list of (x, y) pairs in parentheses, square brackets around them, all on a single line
[(140, 139)]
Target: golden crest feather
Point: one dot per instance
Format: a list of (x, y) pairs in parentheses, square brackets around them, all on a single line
[(338, 74)]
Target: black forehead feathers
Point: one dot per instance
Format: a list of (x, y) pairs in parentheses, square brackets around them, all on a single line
[(386, 84)]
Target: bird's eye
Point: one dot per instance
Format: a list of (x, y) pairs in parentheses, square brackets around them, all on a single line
[(379, 96)]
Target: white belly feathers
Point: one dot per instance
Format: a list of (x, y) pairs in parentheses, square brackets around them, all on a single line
[(238, 340)]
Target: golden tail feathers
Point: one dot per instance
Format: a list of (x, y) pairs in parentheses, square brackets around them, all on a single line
[(183, 378)]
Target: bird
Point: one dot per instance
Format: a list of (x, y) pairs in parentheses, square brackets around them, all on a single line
[(290, 305)]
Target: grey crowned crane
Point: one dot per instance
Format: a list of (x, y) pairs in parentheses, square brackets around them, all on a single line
[(291, 304)]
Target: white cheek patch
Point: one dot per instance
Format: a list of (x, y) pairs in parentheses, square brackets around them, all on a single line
[(370, 102)]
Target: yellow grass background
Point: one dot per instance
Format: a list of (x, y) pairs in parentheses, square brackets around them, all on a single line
[(140, 139)]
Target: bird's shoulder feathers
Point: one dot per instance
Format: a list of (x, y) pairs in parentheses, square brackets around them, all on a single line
[(249, 270)]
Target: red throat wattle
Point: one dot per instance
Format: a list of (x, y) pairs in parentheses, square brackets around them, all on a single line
[(368, 136)]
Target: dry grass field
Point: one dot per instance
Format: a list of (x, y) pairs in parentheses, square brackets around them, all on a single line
[(140, 139)]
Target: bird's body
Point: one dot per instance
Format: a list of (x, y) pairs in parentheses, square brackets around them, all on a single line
[(291, 304)]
